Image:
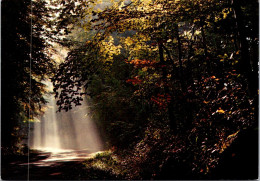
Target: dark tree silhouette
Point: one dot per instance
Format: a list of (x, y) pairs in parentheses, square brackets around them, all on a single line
[(25, 63)]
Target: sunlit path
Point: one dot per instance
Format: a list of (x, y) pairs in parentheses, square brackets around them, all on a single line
[(63, 165), (53, 157)]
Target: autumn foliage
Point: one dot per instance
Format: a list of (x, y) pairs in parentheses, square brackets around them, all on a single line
[(172, 85)]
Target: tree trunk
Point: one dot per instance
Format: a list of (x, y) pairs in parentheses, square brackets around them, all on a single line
[(244, 63), (180, 58), (205, 47), (166, 89)]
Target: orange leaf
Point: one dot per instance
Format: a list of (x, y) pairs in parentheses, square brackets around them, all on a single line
[(221, 111)]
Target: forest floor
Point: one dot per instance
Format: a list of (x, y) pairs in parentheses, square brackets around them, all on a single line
[(101, 166)]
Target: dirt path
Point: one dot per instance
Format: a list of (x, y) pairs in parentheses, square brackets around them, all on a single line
[(46, 166)]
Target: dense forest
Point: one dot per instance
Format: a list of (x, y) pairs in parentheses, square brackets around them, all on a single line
[(172, 84)]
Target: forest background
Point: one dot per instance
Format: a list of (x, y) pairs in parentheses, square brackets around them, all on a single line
[(173, 84)]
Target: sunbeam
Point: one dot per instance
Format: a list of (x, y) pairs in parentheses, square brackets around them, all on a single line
[(66, 135)]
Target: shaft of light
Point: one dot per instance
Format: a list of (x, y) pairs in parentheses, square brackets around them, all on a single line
[(58, 131)]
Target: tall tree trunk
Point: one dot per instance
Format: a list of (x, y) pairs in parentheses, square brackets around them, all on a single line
[(205, 46), (244, 63), (190, 46), (166, 89), (190, 49), (180, 57), (243, 44), (162, 62)]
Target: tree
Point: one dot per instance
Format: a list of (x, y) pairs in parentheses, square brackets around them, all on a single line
[(171, 59), (25, 63)]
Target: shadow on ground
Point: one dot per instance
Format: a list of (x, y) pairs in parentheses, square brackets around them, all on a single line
[(16, 168)]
